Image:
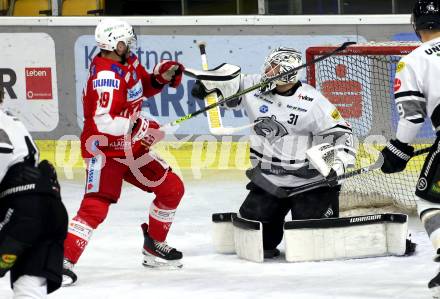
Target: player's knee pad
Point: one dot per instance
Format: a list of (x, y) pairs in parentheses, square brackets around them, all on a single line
[(430, 216), (93, 211), (170, 192)]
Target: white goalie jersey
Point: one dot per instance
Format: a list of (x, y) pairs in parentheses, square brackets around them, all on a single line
[(416, 92), (287, 126)]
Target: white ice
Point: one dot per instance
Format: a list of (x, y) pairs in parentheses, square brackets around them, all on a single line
[(111, 265)]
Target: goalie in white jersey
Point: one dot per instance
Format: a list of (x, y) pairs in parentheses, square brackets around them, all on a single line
[(417, 96), (296, 130)]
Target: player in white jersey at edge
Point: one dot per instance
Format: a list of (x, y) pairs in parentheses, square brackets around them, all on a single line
[(33, 219), (417, 96), (290, 118)]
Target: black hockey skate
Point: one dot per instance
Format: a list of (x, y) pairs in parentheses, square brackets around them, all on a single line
[(159, 254), (271, 253), (434, 286), (69, 277)]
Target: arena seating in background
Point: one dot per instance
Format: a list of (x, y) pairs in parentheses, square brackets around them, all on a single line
[(82, 7), (31, 7)]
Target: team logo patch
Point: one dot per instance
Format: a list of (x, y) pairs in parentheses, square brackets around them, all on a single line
[(9, 258), (264, 108), (436, 187), (422, 184), (400, 66), (7, 261), (336, 115), (397, 84)]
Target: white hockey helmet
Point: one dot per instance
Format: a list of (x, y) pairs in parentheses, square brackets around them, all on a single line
[(281, 60), (111, 31)]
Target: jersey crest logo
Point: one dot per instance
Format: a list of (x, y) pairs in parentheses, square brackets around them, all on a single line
[(270, 128), (400, 66), (336, 115), (264, 108)]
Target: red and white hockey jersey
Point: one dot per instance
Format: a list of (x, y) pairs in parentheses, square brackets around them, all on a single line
[(112, 100)]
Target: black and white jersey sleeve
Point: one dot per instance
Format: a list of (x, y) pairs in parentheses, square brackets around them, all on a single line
[(416, 90), (16, 144)]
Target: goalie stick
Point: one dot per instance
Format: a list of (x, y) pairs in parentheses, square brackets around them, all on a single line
[(214, 117), (282, 192), (256, 86)]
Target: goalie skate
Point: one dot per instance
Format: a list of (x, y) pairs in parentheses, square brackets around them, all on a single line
[(69, 277), (159, 255)]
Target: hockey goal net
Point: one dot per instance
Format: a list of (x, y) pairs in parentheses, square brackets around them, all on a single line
[(360, 82)]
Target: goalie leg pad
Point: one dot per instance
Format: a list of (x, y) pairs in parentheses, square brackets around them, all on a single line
[(339, 238), (223, 232), (248, 239)]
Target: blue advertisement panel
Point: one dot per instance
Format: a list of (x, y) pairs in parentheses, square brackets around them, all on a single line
[(246, 51)]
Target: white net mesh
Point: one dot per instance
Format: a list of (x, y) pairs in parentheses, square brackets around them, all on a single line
[(359, 81)]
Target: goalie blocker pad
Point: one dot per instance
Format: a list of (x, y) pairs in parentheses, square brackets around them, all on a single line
[(223, 80), (223, 72), (348, 237)]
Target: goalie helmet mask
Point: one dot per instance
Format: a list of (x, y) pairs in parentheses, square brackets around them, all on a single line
[(279, 61), (426, 15)]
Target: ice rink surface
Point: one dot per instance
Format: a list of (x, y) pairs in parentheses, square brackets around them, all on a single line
[(111, 265)]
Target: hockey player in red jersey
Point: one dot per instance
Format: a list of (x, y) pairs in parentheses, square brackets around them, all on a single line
[(115, 144)]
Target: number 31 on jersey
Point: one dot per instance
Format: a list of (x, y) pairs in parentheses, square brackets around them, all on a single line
[(293, 118)]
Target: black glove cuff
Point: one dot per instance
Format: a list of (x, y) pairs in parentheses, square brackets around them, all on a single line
[(400, 149), (156, 84)]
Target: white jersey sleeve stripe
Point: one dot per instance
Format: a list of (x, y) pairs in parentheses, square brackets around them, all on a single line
[(409, 93)]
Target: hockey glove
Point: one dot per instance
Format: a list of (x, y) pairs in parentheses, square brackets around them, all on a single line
[(50, 179), (146, 131), (396, 155), (338, 169), (168, 72)]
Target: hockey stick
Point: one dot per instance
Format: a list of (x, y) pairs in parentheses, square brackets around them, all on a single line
[(257, 86), (333, 181), (214, 118)]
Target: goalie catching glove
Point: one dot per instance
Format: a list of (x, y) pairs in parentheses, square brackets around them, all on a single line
[(396, 155), (224, 80), (329, 161)]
